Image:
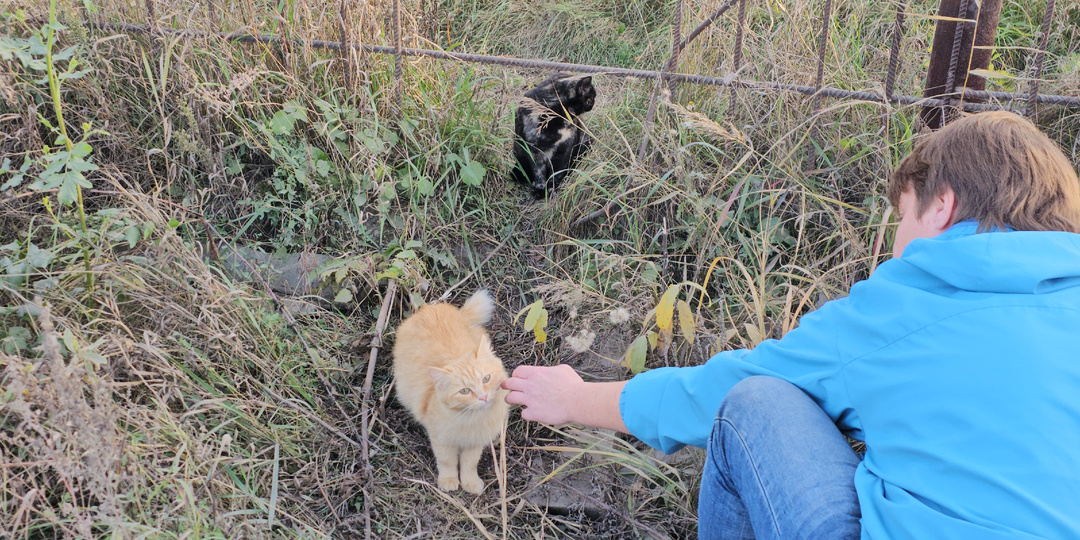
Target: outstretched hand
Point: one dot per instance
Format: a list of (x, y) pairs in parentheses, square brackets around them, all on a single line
[(549, 394), (557, 395)]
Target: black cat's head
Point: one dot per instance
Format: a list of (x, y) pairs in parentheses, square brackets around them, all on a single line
[(575, 93), (585, 92)]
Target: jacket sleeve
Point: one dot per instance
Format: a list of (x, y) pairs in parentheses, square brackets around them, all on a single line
[(669, 408)]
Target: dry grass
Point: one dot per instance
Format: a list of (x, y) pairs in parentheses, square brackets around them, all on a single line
[(161, 398)]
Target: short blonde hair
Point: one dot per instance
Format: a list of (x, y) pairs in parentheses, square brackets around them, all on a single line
[(1003, 170)]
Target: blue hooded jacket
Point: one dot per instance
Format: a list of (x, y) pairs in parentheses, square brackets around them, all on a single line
[(958, 364)]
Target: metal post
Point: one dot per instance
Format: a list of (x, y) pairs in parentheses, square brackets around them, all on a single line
[(397, 54), (676, 41), (739, 31), (1044, 37), (346, 50), (813, 157), (894, 52), (736, 62), (676, 36), (151, 13), (958, 48), (823, 43)]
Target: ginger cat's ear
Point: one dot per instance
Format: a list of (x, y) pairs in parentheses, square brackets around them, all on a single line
[(485, 344), (438, 375)]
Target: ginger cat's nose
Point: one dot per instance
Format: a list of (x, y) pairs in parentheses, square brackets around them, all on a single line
[(482, 397)]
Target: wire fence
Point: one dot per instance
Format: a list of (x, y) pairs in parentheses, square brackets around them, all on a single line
[(960, 46), (956, 95)]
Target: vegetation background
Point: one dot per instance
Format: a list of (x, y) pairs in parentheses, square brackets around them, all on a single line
[(149, 389)]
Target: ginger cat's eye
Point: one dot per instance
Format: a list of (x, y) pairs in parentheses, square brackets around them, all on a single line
[(487, 377), (464, 391)]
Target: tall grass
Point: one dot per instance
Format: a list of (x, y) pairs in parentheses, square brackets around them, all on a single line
[(170, 399)]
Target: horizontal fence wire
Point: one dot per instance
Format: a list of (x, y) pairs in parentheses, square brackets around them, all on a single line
[(728, 81)]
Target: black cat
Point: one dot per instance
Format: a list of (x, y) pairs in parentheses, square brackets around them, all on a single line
[(549, 135)]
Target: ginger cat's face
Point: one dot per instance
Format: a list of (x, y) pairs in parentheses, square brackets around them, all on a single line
[(471, 383)]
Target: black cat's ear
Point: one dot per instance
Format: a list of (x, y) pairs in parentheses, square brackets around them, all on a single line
[(585, 82)]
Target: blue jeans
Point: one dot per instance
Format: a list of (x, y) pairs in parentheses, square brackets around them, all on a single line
[(777, 467)]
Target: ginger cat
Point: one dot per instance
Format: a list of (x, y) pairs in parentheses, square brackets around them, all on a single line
[(448, 378)]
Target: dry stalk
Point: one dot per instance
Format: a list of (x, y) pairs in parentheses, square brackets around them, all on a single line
[(376, 342), (499, 462)]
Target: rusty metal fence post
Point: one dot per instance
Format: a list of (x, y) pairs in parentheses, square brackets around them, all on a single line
[(823, 43), (736, 58), (346, 51), (813, 157), (1040, 55), (398, 84), (894, 51), (963, 41)]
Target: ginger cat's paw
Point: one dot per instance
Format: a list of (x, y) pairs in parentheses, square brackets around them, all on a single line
[(448, 483), (473, 485)]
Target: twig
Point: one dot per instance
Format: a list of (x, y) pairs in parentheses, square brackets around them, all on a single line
[(499, 463), (330, 505), (376, 342), (27, 463)]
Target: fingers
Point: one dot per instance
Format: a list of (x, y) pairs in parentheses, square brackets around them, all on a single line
[(524, 372), (526, 414), (535, 388), (513, 384), (515, 398)]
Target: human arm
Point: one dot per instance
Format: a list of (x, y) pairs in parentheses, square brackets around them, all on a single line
[(668, 408), (557, 395)]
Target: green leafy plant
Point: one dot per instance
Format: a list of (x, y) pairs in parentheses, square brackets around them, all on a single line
[(470, 171), (64, 163), (21, 263), (402, 263)]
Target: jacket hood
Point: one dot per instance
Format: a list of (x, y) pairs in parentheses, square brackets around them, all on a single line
[(999, 261)]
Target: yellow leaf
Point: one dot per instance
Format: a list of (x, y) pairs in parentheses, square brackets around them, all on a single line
[(686, 321), (534, 314), (754, 333), (722, 341), (635, 357), (990, 74), (664, 341), (343, 296), (665, 310), (70, 341), (540, 325)]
